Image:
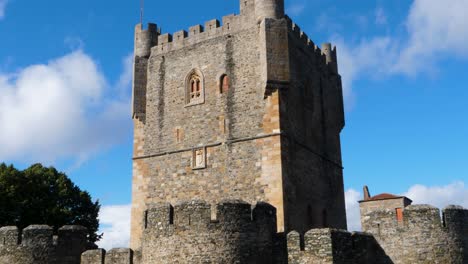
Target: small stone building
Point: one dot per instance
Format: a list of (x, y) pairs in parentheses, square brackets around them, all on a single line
[(415, 233)]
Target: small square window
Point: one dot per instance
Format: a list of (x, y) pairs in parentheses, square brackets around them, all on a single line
[(199, 158)]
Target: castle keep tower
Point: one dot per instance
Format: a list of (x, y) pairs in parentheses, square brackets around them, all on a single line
[(251, 109)]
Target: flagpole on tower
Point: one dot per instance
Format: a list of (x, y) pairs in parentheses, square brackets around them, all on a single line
[(142, 3)]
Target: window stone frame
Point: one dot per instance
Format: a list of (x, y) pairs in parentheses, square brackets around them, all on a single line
[(193, 162), (188, 100)]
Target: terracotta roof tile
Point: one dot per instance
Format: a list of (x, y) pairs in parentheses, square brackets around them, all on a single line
[(384, 196)]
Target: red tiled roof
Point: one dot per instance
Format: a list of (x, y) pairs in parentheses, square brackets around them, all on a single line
[(384, 196)]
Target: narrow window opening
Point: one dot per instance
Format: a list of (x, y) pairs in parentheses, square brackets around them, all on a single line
[(146, 219), (171, 215), (224, 84), (399, 215), (178, 135)]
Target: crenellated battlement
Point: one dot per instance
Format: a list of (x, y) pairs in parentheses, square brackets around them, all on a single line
[(33, 235), (419, 216), (327, 245), (252, 12), (234, 215), (114, 256), (232, 226), (422, 215), (145, 39), (327, 55), (210, 29), (420, 227), (38, 244)]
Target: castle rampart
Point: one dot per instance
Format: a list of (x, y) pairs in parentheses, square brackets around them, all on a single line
[(37, 245), (186, 233), (113, 256), (420, 234), (334, 246)]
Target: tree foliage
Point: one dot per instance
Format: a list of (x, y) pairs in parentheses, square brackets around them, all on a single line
[(40, 195)]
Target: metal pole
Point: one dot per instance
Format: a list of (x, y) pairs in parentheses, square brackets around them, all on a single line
[(142, 3)]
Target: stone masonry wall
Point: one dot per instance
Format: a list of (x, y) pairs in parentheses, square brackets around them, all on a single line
[(421, 237), (333, 246), (239, 128), (113, 256), (251, 133), (37, 245), (312, 121), (377, 205), (186, 233)]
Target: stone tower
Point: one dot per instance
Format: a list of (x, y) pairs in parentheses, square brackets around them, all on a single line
[(251, 109)]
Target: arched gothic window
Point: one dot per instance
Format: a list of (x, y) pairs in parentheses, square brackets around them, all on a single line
[(194, 88)]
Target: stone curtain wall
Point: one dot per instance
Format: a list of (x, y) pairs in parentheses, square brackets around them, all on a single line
[(236, 232), (38, 245), (186, 233), (333, 246), (113, 256), (421, 237)]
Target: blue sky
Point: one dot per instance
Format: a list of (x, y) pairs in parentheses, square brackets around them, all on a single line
[(65, 74)]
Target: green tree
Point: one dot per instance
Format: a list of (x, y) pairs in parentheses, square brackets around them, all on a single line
[(40, 195)]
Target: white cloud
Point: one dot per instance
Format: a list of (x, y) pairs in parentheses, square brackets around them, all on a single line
[(115, 224), (58, 110), (352, 209), (380, 16), (369, 55), (438, 196), (295, 9), (436, 30), (3, 4), (126, 77)]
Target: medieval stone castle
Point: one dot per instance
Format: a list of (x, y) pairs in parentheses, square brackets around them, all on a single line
[(237, 159)]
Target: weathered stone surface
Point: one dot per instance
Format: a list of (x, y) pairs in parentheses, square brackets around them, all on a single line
[(119, 256), (272, 135), (93, 256), (38, 245), (420, 236), (234, 236), (227, 116)]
